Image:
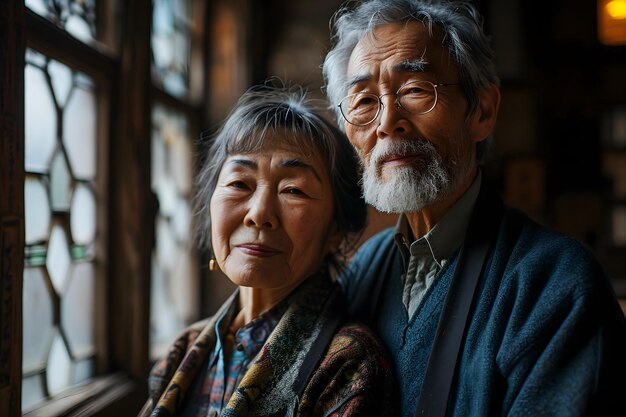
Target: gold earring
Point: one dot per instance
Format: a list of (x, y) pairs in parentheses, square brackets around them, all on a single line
[(213, 266)]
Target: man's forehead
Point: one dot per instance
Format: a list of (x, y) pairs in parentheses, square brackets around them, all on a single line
[(396, 47)]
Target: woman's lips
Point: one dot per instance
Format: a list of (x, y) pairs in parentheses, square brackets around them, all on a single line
[(255, 249)]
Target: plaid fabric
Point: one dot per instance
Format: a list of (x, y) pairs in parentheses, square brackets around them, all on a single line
[(215, 384)]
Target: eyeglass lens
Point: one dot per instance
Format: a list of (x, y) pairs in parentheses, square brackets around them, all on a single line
[(417, 97)]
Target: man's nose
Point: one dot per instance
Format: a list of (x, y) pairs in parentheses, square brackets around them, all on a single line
[(392, 119)]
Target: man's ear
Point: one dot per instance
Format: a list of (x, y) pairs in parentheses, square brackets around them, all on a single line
[(484, 117)]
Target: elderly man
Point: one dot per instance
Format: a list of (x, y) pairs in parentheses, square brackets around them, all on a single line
[(484, 311)]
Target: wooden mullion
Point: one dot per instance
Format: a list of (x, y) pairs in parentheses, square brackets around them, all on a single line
[(44, 36), (11, 204)]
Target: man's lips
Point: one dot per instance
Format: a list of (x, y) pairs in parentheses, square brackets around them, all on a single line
[(256, 249), (395, 160)]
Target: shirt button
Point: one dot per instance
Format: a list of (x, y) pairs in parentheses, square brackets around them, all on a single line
[(239, 347)]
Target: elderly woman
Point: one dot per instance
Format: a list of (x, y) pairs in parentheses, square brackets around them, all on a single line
[(279, 194)]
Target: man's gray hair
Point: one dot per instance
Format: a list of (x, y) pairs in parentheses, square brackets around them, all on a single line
[(459, 21)]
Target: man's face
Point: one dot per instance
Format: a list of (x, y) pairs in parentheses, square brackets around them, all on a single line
[(410, 160)]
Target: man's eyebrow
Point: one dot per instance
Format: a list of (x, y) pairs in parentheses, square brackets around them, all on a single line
[(296, 163), (416, 65), (357, 79)]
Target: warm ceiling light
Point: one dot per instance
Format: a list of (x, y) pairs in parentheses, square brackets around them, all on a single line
[(616, 9), (612, 22)]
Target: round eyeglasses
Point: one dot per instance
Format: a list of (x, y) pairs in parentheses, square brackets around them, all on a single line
[(416, 97)]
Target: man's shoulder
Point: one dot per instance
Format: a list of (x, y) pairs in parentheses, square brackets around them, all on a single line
[(540, 254), (542, 243)]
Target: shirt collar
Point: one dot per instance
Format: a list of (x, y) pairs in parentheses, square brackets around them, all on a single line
[(446, 236)]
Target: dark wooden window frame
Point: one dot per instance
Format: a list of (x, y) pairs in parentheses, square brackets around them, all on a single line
[(124, 183)]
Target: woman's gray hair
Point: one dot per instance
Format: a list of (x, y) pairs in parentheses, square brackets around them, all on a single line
[(266, 113), (459, 21)]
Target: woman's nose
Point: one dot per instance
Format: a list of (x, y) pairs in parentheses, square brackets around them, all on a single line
[(262, 210)]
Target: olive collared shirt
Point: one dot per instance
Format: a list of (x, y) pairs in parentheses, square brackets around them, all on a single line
[(427, 255)]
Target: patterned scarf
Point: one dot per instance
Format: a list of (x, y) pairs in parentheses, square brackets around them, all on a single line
[(267, 387)]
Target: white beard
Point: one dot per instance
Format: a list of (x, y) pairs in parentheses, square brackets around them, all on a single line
[(408, 188)]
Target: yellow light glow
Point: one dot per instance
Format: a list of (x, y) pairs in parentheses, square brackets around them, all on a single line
[(616, 9)]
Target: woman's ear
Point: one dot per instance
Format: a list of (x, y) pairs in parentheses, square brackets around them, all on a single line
[(484, 117), (334, 240)]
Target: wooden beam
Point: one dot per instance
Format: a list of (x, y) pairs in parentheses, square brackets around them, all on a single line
[(11, 204)]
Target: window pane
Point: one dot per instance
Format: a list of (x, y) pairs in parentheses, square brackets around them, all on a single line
[(83, 215), (77, 17), (59, 367), (37, 210), (171, 45), (58, 259), (174, 279), (79, 123), (61, 77), (60, 183), (40, 120), (77, 313), (38, 319), (83, 370), (32, 392)]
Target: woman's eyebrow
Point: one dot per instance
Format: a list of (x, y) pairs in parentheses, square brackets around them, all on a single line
[(246, 163), (296, 163)]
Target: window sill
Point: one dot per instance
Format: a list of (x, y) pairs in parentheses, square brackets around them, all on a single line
[(92, 398)]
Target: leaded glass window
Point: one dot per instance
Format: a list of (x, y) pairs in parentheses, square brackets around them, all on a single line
[(61, 210)]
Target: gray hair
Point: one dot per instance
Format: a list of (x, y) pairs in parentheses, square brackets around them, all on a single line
[(265, 113), (463, 36)]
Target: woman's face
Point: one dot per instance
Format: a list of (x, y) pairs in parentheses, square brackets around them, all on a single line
[(272, 217)]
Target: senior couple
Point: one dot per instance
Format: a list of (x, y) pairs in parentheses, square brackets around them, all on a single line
[(474, 309)]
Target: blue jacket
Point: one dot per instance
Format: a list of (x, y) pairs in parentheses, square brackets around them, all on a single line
[(546, 336)]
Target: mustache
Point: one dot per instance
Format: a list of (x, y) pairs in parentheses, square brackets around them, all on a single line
[(385, 149)]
